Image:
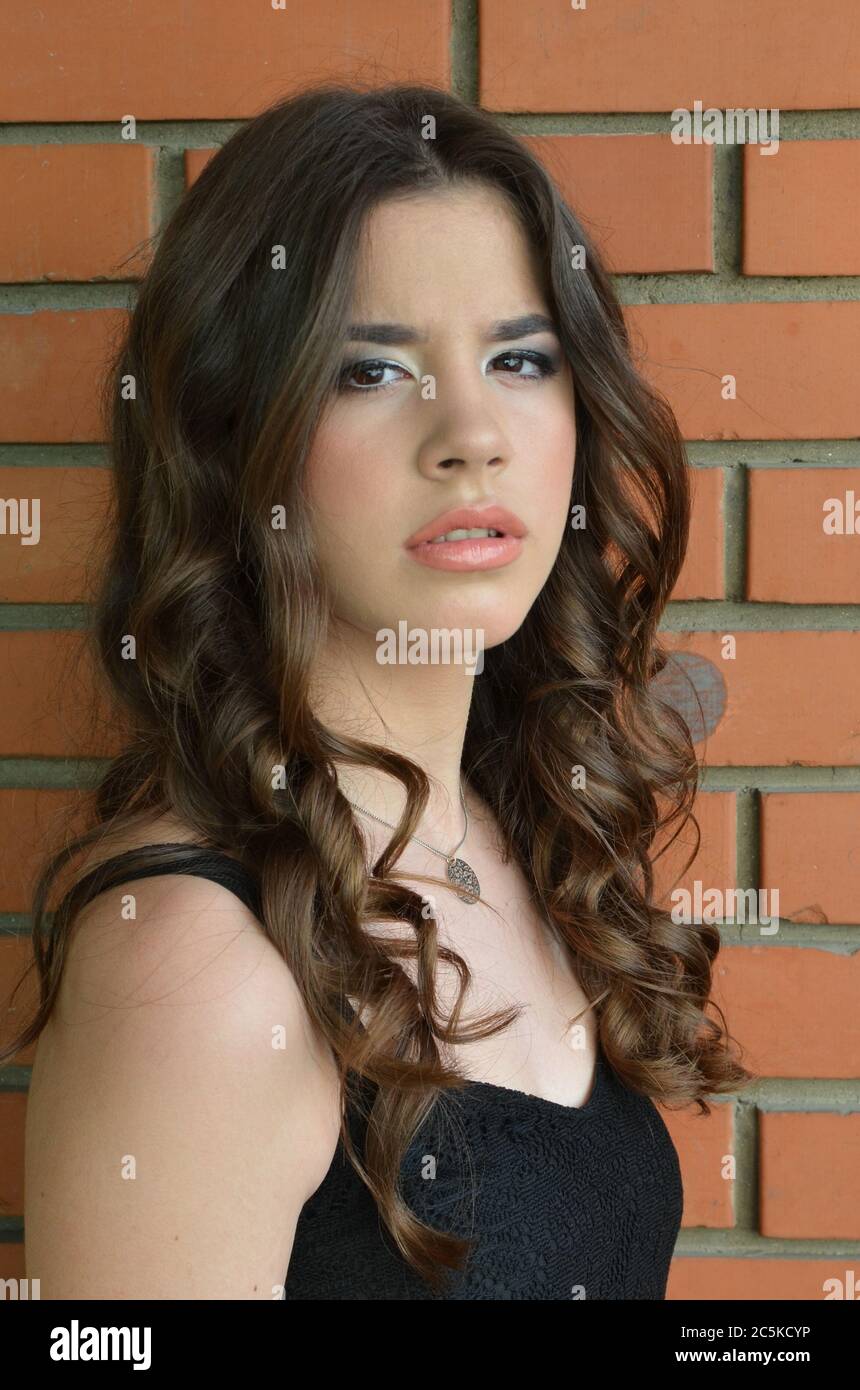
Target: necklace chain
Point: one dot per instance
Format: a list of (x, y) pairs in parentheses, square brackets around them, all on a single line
[(441, 854), (459, 872)]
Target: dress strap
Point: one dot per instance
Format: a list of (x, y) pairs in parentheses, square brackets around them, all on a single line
[(176, 858)]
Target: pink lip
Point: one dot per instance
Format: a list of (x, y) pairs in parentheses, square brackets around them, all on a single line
[(467, 519), (475, 553), (489, 553)]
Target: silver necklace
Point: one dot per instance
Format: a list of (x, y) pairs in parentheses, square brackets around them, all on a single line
[(461, 874)]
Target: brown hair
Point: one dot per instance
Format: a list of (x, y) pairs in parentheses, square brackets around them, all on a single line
[(232, 362)]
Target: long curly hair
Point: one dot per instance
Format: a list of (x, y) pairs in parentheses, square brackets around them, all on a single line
[(211, 403)]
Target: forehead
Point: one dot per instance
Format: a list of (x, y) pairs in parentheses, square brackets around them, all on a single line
[(460, 251)]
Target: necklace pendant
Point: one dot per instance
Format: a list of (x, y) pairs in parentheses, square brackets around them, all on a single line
[(463, 876)]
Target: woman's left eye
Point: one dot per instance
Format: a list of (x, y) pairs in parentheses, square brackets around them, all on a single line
[(543, 366)]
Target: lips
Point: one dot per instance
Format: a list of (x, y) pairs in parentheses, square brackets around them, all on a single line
[(468, 519)]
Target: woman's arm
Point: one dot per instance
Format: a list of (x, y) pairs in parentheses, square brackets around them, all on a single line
[(170, 1145)]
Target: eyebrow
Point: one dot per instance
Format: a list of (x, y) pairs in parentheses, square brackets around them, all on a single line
[(396, 334)]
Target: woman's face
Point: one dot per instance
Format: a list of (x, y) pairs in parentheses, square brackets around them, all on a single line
[(445, 403)]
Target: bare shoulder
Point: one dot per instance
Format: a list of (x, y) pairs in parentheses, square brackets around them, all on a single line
[(183, 1106), (172, 936)]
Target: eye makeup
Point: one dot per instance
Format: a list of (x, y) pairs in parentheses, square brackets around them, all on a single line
[(547, 365)]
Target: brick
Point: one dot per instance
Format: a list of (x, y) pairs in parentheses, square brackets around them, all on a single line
[(13, 1108), (808, 1175), (794, 365), (99, 62), (801, 209), (792, 1009), (612, 56), (810, 850), (702, 574), (195, 161), (716, 815), (12, 1260), (757, 704), (52, 365), (792, 558), (17, 1008), (37, 824), (757, 1279), (620, 186), (86, 209), (705, 1145), (48, 705), (73, 516)]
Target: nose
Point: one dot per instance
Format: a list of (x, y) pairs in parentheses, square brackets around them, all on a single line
[(464, 435)]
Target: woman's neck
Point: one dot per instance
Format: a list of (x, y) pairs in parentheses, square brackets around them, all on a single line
[(419, 711)]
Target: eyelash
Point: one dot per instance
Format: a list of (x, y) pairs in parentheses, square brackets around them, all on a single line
[(547, 365)]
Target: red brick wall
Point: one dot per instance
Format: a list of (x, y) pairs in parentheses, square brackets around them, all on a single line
[(731, 263)]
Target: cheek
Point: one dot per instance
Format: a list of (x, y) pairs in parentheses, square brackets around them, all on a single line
[(550, 451), (348, 486), (560, 438)]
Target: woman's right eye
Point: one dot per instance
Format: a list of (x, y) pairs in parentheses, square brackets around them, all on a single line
[(365, 367)]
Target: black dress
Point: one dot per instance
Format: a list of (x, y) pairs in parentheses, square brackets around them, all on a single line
[(561, 1202)]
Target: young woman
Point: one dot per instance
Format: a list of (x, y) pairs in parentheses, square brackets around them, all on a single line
[(396, 519)]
